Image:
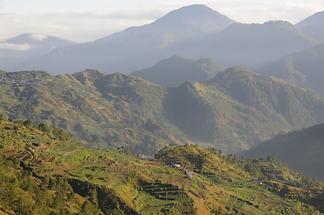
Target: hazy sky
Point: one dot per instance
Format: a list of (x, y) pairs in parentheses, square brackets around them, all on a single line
[(83, 20)]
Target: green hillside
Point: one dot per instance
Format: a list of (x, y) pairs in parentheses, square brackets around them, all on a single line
[(232, 111), (45, 171), (176, 70), (238, 109), (103, 110), (301, 150)]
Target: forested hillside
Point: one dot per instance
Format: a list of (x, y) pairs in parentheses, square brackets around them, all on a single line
[(232, 111), (45, 171)]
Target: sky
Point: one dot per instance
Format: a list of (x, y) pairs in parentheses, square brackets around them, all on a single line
[(86, 20)]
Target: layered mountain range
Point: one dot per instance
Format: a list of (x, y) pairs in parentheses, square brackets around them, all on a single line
[(194, 31), (176, 70), (19, 50), (304, 68), (162, 139), (232, 111)]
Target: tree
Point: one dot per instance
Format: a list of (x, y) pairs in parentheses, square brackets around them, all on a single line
[(88, 208), (58, 201), (28, 123), (44, 127)]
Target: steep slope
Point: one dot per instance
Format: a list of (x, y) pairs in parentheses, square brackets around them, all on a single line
[(19, 49), (301, 150), (177, 70), (233, 111), (139, 46), (238, 109), (303, 68), (103, 110), (296, 106), (48, 172), (255, 44), (313, 26), (32, 181)]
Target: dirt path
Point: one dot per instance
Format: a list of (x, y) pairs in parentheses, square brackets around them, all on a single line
[(200, 205)]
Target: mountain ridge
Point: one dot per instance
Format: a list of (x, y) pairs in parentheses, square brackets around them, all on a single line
[(252, 45), (302, 68), (175, 70), (313, 26), (198, 37), (20, 49), (234, 111), (300, 150)]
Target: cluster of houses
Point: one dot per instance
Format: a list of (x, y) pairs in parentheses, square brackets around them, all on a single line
[(19, 82), (170, 162), (174, 163)]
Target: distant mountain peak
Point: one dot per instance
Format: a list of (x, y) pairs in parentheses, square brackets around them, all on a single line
[(33, 38), (275, 24), (90, 72), (313, 26), (176, 70), (123, 80), (195, 15), (194, 9), (280, 23), (28, 38), (88, 75), (313, 20)]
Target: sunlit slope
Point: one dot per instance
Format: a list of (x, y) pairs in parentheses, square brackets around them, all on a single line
[(44, 172), (233, 111)]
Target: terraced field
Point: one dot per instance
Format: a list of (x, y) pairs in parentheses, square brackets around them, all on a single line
[(48, 172)]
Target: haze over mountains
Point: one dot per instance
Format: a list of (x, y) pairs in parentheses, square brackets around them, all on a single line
[(194, 31), (253, 45), (18, 50), (313, 26), (157, 137), (138, 46), (233, 111), (304, 68), (177, 70), (301, 150)]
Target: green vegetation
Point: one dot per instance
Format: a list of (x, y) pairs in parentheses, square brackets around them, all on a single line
[(238, 109), (233, 111), (101, 110), (51, 173)]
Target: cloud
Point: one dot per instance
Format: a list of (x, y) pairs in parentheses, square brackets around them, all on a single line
[(95, 22), (256, 11), (120, 14), (74, 25), (15, 47), (38, 37)]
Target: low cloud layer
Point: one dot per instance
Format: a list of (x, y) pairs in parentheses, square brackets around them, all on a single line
[(15, 47), (75, 25)]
